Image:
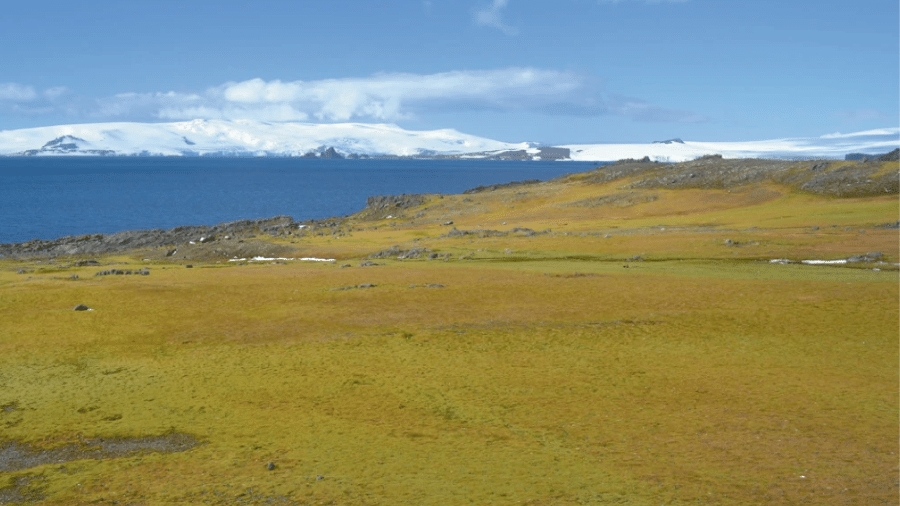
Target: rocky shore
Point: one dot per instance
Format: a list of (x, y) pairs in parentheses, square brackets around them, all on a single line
[(864, 178)]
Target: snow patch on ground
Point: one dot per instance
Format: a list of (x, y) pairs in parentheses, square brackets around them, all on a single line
[(272, 259)]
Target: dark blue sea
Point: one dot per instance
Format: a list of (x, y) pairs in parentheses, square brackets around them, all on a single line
[(51, 197)]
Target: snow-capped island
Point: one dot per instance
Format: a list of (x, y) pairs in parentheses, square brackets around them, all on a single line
[(360, 140)]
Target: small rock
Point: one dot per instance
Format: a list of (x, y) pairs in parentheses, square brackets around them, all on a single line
[(171, 252), (82, 307), (270, 466), (366, 285), (73, 277), (189, 266)]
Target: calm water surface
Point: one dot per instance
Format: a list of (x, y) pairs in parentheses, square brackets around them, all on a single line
[(46, 198)]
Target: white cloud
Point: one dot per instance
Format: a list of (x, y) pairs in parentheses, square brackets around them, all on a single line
[(644, 1), (863, 115), (384, 97), (640, 110), (491, 16), (387, 96), (17, 92)]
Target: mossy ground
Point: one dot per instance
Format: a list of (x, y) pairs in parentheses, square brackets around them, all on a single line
[(543, 371)]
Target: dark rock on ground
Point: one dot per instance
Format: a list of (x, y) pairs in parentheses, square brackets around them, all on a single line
[(399, 253), (454, 232), (100, 244), (15, 456), (494, 187), (893, 156), (872, 256), (381, 206), (82, 307)]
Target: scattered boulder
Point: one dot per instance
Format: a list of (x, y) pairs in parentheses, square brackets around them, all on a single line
[(872, 256), (82, 307), (85, 263)]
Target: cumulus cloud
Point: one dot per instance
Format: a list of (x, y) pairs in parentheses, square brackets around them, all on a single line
[(17, 92), (385, 97), (491, 16)]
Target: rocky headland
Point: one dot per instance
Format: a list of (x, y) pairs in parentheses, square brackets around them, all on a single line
[(842, 179)]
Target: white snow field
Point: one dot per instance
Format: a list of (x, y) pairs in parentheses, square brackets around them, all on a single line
[(257, 138)]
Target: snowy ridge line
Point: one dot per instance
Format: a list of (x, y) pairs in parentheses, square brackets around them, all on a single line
[(338, 140)]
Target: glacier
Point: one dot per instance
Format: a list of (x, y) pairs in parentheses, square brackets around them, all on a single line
[(257, 138)]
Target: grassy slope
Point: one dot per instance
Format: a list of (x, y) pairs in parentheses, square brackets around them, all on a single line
[(543, 372)]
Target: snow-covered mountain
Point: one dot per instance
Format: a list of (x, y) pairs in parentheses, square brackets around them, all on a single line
[(240, 138), (255, 138), (675, 150)]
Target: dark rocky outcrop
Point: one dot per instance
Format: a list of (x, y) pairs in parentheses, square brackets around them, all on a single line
[(400, 254), (893, 156), (331, 153), (99, 244), (494, 187), (381, 206), (66, 145)]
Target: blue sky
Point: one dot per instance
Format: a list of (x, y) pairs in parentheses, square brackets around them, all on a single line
[(568, 71)]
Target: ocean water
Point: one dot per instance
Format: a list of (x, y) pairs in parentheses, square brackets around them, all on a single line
[(51, 197)]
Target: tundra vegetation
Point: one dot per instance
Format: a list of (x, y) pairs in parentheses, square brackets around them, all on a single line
[(616, 336)]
